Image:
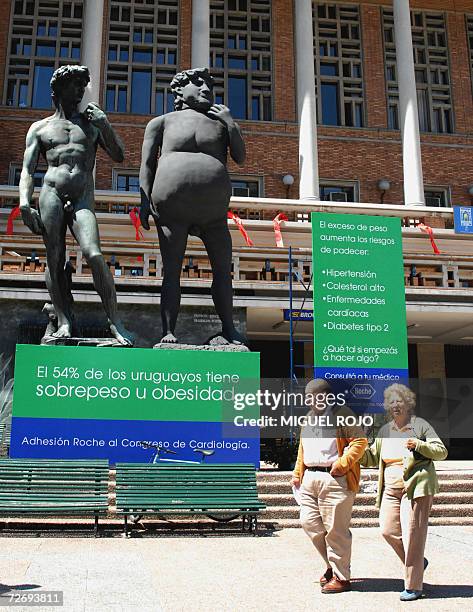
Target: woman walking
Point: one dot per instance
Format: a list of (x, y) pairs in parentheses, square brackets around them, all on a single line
[(405, 451)]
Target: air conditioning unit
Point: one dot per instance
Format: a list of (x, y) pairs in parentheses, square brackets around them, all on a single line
[(338, 196), (241, 192), (433, 201)]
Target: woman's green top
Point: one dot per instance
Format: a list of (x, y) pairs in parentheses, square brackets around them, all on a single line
[(419, 474)]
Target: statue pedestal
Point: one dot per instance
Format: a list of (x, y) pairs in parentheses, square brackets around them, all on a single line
[(100, 342), (223, 348)]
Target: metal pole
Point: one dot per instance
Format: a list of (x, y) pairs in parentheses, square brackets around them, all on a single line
[(291, 339)]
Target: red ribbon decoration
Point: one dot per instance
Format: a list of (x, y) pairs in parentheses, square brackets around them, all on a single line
[(278, 219), (243, 232), (428, 230), (14, 213), (135, 219)]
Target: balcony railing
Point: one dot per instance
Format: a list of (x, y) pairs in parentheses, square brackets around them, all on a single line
[(261, 209), (263, 267)]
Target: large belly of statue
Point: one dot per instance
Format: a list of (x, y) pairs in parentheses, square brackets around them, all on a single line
[(191, 188)]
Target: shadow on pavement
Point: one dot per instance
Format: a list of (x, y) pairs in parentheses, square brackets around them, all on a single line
[(444, 591), (432, 591), (377, 585), (5, 588)]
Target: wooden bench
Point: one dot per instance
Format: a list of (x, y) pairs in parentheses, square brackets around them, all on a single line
[(221, 492), (53, 487)]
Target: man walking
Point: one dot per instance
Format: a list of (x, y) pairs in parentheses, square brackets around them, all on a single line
[(328, 474)]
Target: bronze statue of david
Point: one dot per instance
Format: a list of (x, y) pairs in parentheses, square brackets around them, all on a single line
[(68, 141)]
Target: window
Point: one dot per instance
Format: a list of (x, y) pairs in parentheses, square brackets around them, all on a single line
[(437, 196), (432, 71), (469, 27), (240, 56), (338, 64), (247, 187), (126, 180), (141, 56), (15, 172), (43, 36), (339, 191)]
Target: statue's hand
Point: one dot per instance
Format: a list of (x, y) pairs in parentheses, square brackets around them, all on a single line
[(32, 219), (145, 211), (221, 113), (95, 115)]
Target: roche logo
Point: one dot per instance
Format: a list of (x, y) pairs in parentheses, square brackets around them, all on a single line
[(362, 390)]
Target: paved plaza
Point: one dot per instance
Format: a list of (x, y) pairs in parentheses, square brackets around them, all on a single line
[(222, 572)]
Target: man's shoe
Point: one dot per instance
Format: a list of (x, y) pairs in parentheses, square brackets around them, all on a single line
[(326, 577), (336, 586), (410, 595)]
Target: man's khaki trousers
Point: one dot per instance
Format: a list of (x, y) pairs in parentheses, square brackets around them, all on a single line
[(404, 525), (326, 507)]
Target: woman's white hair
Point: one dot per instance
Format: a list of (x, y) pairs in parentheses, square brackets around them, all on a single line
[(407, 396)]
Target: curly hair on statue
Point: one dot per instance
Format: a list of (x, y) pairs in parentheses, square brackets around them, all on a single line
[(186, 76), (64, 74)]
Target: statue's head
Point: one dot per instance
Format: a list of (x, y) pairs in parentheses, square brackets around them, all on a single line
[(69, 82), (193, 89)]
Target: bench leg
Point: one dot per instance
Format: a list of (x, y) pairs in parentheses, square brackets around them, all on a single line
[(253, 524), (243, 522), (125, 525), (96, 526)]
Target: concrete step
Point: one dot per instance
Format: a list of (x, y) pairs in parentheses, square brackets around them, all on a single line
[(366, 474), (457, 484), (445, 476), (369, 499), (282, 477), (439, 509), (371, 522), (292, 512), (283, 488), (455, 510)]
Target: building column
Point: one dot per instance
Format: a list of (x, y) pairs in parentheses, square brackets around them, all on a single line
[(431, 385), (200, 33), (308, 360), (431, 360), (306, 102), (409, 117), (92, 48)]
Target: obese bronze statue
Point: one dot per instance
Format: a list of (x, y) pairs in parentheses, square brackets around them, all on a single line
[(68, 142), (187, 191)]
